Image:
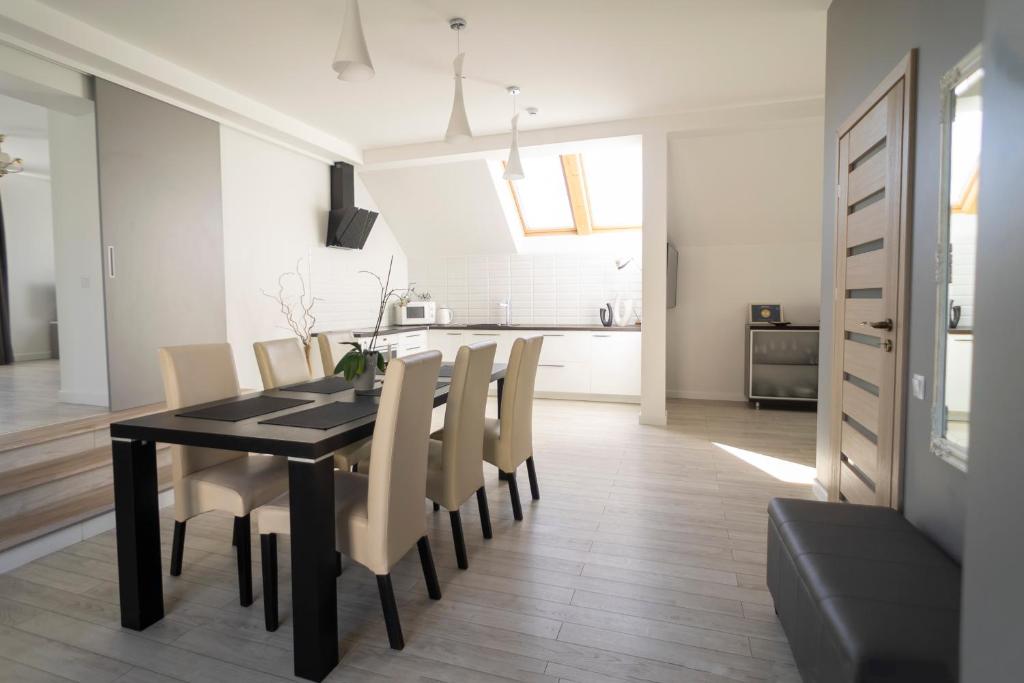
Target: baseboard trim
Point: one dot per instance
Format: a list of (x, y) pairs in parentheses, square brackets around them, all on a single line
[(599, 398), (31, 356), (83, 398), (12, 558), (820, 492), (695, 394)]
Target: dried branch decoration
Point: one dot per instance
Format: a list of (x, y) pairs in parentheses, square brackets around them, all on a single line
[(297, 311)]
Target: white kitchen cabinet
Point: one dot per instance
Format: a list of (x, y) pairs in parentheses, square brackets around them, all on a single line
[(411, 342), (615, 363), (573, 363)]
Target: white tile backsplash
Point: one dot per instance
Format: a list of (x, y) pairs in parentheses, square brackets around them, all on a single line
[(544, 288)]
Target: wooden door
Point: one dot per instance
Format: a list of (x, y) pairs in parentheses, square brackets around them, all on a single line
[(869, 301)]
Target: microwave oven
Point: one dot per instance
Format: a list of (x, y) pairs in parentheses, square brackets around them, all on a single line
[(417, 313)]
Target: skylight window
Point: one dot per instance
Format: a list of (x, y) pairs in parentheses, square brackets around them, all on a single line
[(598, 189)]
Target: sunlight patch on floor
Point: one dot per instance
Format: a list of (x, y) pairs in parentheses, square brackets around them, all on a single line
[(783, 470)]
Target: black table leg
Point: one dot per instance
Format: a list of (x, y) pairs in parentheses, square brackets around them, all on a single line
[(501, 390), (137, 516), (314, 586)]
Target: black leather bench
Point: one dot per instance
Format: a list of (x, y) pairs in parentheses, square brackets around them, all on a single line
[(862, 594)]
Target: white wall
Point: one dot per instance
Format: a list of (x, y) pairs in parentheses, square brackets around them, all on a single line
[(78, 259), (275, 213), (28, 227), (564, 289), (745, 213)]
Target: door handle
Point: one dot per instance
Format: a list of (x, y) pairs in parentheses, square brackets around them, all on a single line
[(879, 324)]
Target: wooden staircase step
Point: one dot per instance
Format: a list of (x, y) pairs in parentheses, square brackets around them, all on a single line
[(39, 521), (26, 477)]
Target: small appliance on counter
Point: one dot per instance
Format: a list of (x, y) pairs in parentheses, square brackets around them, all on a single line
[(417, 313), (445, 316)]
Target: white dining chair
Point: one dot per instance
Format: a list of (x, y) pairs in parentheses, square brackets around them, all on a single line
[(379, 514), (455, 456), (207, 479), (508, 441), (283, 362)]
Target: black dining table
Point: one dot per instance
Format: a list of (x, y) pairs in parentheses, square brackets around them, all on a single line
[(310, 485)]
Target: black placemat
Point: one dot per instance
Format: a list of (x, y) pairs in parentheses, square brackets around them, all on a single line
[(326, 416), (236, 411), (326, 385)]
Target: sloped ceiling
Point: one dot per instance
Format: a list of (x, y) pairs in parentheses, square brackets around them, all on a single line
[(447, 209)]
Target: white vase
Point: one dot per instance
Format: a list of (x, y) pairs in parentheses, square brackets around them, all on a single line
[(623, 311)]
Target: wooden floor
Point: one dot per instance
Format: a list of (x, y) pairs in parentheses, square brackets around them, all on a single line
[(29, 397), (643, 561)]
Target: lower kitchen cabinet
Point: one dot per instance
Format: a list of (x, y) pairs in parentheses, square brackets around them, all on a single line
[(573, 363)]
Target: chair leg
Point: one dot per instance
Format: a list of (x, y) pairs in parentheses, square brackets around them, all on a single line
[(513, 492), (337, 562), (531, 469), (460, 540), (177, 548), (387, 603), (485, 514), (355, 468), (244, 551), (429, 572), (268, 548), (234, 536), (436, 507)]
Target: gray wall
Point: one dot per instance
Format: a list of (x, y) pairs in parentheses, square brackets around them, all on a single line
[(866, 38), (160, 205), (994, 554)]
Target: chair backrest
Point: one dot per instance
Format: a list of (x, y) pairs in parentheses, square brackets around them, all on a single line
[(332, 347), (462, 453), (282, 362), (516, 438), (398, 456), (193, 374)]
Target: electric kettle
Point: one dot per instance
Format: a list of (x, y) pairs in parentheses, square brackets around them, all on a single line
[(445, 316)]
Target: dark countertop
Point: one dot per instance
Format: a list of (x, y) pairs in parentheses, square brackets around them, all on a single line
[(394, 329)]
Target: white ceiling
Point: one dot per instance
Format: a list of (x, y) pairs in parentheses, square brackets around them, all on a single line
[(579, 62)]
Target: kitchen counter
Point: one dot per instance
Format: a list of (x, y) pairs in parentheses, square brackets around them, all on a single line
[(395, 329)]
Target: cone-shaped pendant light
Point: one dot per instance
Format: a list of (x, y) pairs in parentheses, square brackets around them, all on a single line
[(514, 167), (352, 58), (458, 122)]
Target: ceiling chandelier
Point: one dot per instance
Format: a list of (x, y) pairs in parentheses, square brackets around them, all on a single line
[(352, 58), (458, 122), (8, 164)]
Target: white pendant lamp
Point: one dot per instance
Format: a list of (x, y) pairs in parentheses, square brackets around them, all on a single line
[(458, 122), (514, 166), (352, 58)]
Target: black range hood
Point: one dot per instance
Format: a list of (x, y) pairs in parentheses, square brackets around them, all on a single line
[(347, 225)]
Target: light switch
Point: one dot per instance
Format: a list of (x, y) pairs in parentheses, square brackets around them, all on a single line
[(84, 280), (917, 386)]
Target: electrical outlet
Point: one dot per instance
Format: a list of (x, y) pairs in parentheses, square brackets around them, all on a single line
[(917, 386)]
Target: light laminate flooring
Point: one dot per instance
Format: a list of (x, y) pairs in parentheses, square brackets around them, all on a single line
[(644, 560), (29, 397)]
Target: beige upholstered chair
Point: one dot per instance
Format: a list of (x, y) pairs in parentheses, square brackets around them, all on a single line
[(508, 442), (207, 479), (333, 345), (282, 362), (379, 514), (455, 463)]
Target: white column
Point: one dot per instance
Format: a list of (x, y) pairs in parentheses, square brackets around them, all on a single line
[(655, 237)]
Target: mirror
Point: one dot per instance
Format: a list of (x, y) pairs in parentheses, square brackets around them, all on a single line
[(958, 227)]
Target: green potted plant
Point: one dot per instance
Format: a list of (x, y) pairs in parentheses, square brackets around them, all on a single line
[(360, 365)]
